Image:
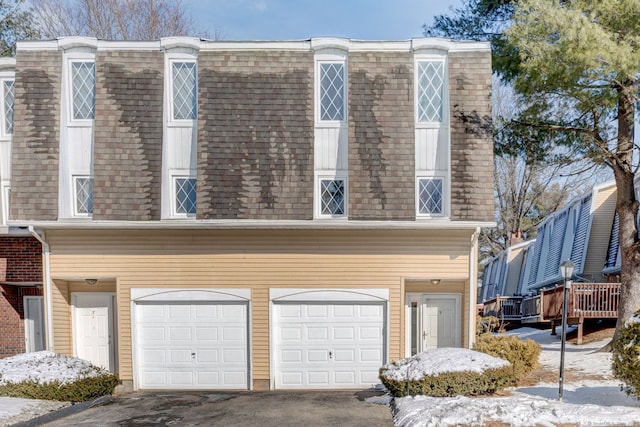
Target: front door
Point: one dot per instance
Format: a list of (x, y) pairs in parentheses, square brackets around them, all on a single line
[(433, 321), (93, 328), (33, 323)]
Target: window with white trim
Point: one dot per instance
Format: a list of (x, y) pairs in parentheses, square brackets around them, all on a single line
[(430, 196), (7, 110), (184, 90), (83, 89), (185, 196), (332, 91), (83, 190), (332, 197), (430, 77)]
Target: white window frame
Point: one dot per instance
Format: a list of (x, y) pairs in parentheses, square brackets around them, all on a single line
[(5, 190), (445, 197), (179, 174), (444, 119), (3, 127), (318, 198), (326, 58), (172, 59), (70, 59), (74, 180)]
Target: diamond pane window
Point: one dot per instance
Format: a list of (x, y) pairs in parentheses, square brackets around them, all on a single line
[(84, 196), (8, 106), (332, 196), (184, 91), (185, 196), (430, 86), (332, 91), (430, 196), (84, 89)]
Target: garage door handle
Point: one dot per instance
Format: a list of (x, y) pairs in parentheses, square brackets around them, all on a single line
[(330, 355)]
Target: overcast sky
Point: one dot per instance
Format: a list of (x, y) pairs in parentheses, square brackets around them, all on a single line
[(303, 19)]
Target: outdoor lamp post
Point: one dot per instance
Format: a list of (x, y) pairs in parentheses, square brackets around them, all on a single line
[(566, 270)]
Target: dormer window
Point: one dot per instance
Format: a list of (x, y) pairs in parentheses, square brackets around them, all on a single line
[(83, 80), (184, 88), (332, 91), (7, 92), (430, 91)]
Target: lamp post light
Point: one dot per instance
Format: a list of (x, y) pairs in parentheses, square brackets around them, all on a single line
[(566, 270)]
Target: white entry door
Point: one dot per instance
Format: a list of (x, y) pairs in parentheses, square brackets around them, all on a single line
[(432, 321), (325, 345), (440, 322), (94, 328), (191, 345), (34, 323)]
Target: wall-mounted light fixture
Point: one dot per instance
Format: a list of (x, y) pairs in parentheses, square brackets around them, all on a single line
[(91, 282), (435, 282)]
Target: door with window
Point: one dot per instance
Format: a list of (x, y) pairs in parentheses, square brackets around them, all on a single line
[(433, 321)]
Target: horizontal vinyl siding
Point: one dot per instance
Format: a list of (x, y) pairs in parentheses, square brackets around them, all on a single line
[(61, 317), (259, 260)]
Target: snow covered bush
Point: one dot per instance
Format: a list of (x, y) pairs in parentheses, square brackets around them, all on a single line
[(626, 355), (444, 372), (523, 354), (51, 376)]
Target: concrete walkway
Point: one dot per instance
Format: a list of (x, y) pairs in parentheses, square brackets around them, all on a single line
[(264, 409)]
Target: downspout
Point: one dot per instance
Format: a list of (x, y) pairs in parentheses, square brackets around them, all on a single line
[(473, 285), (47, 285)]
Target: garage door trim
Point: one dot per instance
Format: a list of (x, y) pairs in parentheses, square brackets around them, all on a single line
[(279, 296), (194, 295)]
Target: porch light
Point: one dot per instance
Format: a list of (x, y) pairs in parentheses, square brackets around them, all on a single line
[(91, 282), (435, 282), (566, 270)]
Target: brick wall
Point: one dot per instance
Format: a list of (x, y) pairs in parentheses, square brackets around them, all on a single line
[(255, 135), (128, 135), (35, 149), (471, 137), (23, 258), (381, 136), (12, 339)]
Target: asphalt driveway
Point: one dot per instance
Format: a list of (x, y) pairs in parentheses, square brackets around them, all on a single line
[(264, 409)]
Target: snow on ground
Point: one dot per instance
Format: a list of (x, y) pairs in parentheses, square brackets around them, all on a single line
[(586, 402), (43, 367), (440, 360)]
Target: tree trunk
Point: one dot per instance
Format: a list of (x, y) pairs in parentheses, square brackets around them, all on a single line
[(627, 209)]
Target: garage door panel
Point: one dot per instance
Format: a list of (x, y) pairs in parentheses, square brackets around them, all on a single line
[(327, 345), (192, 345)]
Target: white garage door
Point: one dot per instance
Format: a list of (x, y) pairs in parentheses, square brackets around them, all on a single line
[(192, 345), (328, 345)]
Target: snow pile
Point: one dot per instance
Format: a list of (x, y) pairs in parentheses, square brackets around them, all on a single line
[(44, 367), (586, 402), (440, 360), (514, 411)]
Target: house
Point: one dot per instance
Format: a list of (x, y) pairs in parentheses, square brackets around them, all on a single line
[(21, 303), (253, 215)]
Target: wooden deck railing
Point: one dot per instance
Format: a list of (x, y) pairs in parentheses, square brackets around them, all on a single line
[(531, 306), (585, 301), (506, 308)]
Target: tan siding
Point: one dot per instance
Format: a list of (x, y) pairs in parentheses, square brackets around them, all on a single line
[(257, 260), (604, 204), (61, 318), (260, 332)]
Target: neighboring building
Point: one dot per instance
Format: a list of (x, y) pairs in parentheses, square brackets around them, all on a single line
[(503, 273), (21, 305), (254, 215), (579, 232)]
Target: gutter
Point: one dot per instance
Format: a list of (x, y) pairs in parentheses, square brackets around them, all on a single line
[(46, 282), (473, 285)]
